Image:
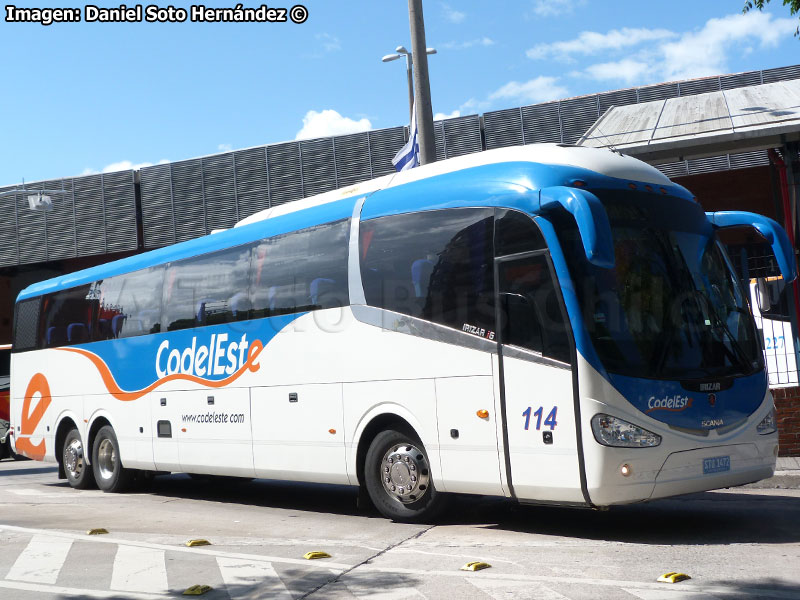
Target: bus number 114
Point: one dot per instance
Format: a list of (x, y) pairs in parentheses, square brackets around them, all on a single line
[(550, 421)]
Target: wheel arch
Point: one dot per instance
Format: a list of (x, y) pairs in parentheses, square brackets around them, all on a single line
[(372, 425), (98, 421), (66, 422)]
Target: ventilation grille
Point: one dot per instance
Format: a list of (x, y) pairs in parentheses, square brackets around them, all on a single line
[(319, 166), (503, 128), (158, 216)]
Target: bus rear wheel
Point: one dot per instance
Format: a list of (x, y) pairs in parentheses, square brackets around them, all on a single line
[(398, 478), (73, 457), (109, 473)]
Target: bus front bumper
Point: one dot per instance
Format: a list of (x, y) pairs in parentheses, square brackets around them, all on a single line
[(713, 468)]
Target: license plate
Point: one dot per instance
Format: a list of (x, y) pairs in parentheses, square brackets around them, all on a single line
[(716, 464)]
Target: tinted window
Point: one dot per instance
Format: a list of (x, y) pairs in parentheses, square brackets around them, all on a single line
[(301, 271), (207, 290), (531, 308), (435, 265), (67, 317), (129, 304), (516, 232)]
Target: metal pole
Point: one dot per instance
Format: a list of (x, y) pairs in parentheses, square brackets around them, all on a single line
[(422, 86), (409, 73)]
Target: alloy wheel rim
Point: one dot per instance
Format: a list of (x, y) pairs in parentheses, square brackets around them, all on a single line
[(405, 473)]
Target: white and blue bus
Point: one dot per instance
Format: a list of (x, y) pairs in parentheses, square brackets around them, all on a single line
[(546, 323)]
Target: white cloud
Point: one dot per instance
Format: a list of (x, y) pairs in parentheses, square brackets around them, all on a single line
[(553, 8), (705, 52), (453, 15), (592, 42), (330, 43), (441, 116), (628, 70), (225, 147), (123, 165), (691, 54), (329, 122), (484, 41), (540, 89)]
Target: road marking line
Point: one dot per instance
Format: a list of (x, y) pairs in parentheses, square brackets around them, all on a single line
[(42, 559), (320, 564), (668, 594), (243, 577), (693, 587), (523, 590), (139, 570), (67, 592)]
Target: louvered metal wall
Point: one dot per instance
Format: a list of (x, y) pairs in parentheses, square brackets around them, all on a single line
[(95, 215)]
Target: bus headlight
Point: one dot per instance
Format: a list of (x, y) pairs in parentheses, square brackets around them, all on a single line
[(611, 431), (767, 424)]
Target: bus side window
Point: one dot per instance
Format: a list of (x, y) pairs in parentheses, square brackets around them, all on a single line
[(301, 271), (202, 290), (67, 317), (129, 304), (435, 265)]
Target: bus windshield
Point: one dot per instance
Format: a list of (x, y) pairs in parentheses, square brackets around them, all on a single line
[(672, 306)]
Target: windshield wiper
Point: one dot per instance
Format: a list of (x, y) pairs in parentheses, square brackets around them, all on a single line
[(736, 350)]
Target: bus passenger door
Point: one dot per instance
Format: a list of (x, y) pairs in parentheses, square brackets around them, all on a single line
[(537, 382)]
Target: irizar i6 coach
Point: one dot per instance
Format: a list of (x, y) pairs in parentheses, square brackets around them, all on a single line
[(547, 323)]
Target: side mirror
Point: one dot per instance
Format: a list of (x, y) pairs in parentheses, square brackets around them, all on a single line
[(772, 301), (769, 229), (762, 295), (591, 217)]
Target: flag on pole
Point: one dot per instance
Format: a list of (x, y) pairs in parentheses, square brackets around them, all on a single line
[(408, 156)]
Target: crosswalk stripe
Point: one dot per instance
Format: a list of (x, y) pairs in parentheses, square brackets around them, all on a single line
[(243, 577), (71, 592), (310, 564), (139, 570), (42, 559)]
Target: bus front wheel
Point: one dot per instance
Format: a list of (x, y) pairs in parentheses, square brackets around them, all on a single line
[(73, 457), (398, 478), (109, 473)]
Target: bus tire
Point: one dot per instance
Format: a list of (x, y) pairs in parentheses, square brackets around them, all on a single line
[(398, 479), (73, 458), (109, 473)]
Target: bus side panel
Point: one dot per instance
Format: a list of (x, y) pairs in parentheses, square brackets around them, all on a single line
[(298, 433), (213, 430), (468, 441)]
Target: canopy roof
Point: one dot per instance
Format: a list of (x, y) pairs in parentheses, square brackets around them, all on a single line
[(742, 119)]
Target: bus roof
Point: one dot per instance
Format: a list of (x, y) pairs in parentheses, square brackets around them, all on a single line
[(492, 168)]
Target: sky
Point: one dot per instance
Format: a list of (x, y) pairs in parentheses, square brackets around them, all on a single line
[(85, 98)]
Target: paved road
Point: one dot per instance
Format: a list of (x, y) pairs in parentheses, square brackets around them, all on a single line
[(741, 543)]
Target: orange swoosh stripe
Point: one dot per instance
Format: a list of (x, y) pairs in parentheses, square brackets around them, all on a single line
[(113, 388)]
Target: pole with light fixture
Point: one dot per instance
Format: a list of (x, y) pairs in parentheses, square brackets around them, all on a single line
[(422, 84), (399, 52)]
